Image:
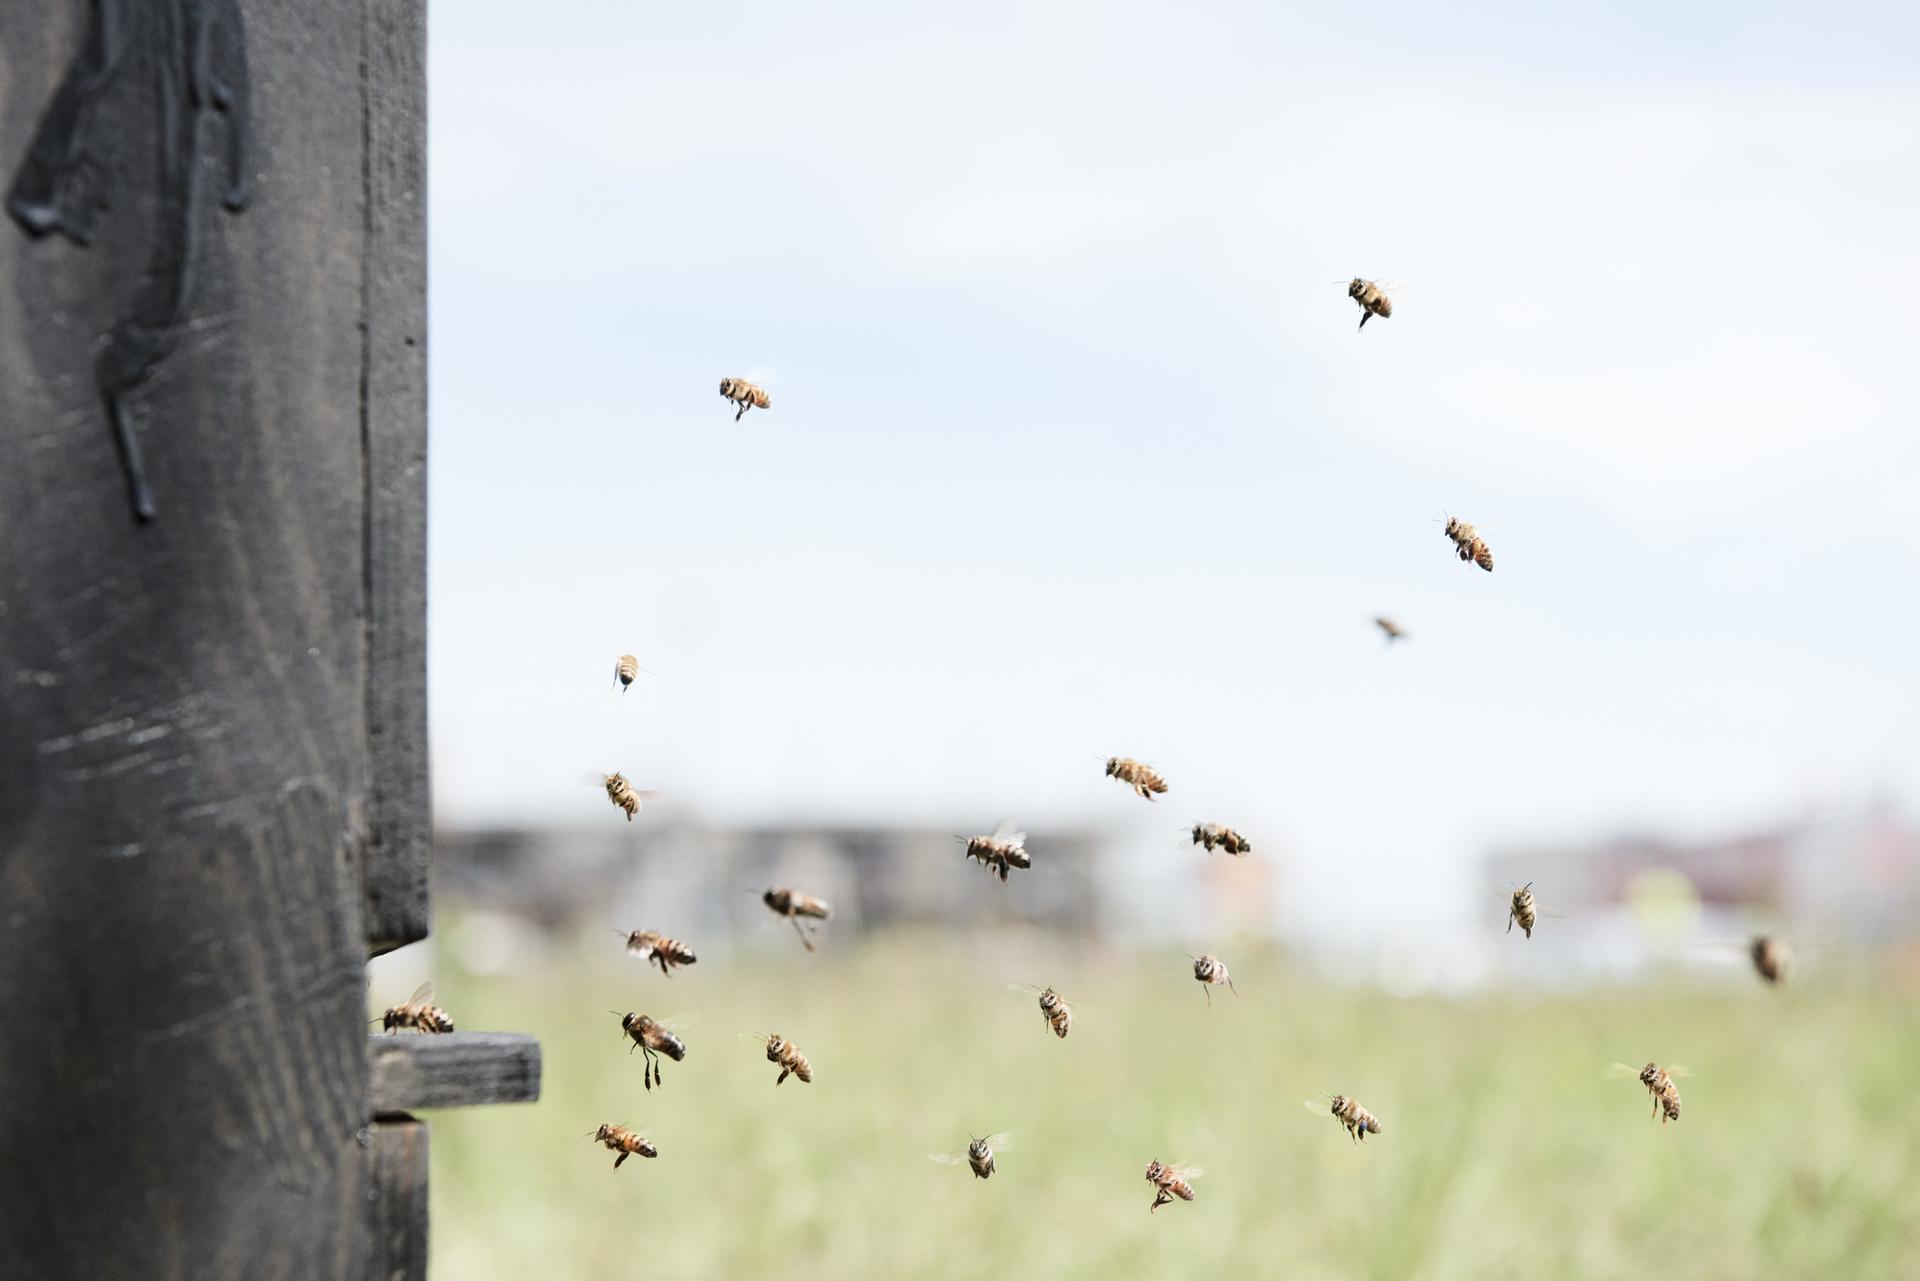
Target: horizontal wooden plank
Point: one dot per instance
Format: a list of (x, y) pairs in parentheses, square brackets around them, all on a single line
[(459, 1069)]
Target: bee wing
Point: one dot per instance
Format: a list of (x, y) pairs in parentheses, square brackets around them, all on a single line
[(763, 375), (1392, 286), (422, 995), (679, 1022), (1185, 1172), (1547, 911), (1004, 830), (1674, 1069), (1621, 1069), (1000, 1142), (947, 1158), (1317, 1106)]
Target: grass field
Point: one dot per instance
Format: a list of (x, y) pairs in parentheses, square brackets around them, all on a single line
[(1507, 1151)]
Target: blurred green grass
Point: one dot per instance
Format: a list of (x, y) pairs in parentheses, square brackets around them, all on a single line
[(1507, 1151)]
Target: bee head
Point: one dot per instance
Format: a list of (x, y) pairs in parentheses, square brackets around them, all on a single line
[(771, 899), (627, 1024), (978, 1148), (1356, 288), (1155, 1171), (1650, 1075), (726, 386), (776, 1046), (603, 1133), (1113, 765), (1049, 999), (1339, 1104)]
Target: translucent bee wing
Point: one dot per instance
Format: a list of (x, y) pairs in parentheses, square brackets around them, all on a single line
[(1674, 1069), (1547, 911), (1005, 831), (999, 1142), (679, 1022), (1621, 1069), (947, 1158), (1185, 1172), (422, 995), (1317, 1106), (1390, 285), (763, 375)]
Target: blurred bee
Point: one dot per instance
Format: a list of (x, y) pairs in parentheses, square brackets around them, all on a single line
[(1002, 851), (652, 1037), (1469, 544), (1209, 971), (1212, 834), (979, 1154), (625, 668), (786, 1054), (1170, 1181), (1053, 1008), (619, 1138), (1523, 910), (419, 1013), (1144, 781), (1772, 958), (1348, 1112), (659, 950), (1392, 629), (794, 905), (750, 395), (623, 794), (1659, 1082), (1372, 297)]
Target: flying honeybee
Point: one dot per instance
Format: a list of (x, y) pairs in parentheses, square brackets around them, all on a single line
[(1170, 1181), (1372, 297), (1212, 834), (625, 668), (1348, 1112), (1772, 958), (1392, 630), (1004, 850), (657, 949), (979, 1154), (419, 1013), (1053, 1008), (1209, 971), (794, 905), (750, 395), (1143, 780), (619, 1138), (1660, 1084), (786, 1054), (623, 794), (652, 1037), (1523, 911), (1468, 543)]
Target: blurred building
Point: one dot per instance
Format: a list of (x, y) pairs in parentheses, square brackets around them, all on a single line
[(1852, 878), (705, 882)]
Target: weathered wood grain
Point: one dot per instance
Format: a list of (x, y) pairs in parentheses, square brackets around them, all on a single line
[(397, 1192), (193, 712), (458, 1069), (394, 425)]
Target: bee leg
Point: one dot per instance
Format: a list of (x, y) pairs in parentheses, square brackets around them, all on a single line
[(1509, 923), (782, 1076), (617, 1160), (743, 410), (1206, 989), (804, 940)]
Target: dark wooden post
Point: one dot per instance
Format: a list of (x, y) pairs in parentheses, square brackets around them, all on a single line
[(213, 790)]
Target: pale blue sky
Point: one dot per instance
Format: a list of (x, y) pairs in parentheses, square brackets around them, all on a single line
[(1074, 449)]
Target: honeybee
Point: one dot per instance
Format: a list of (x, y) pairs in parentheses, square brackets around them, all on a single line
[(659, 950), (1660, 1084), (794, 905), (1469, 544), (750, 395), (787, 1055), (1170, 1181), (652, 1037), (1209, 971), (625, 668), (1523, 911), (979, 1154), (1348, 1112), (1772, 958), (1212, 834), (619, 1138), (624, 795), (419, 1013), (1004, 850), (1053, 1008), (1372, 297), (1392, 629), (1143, 780)]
